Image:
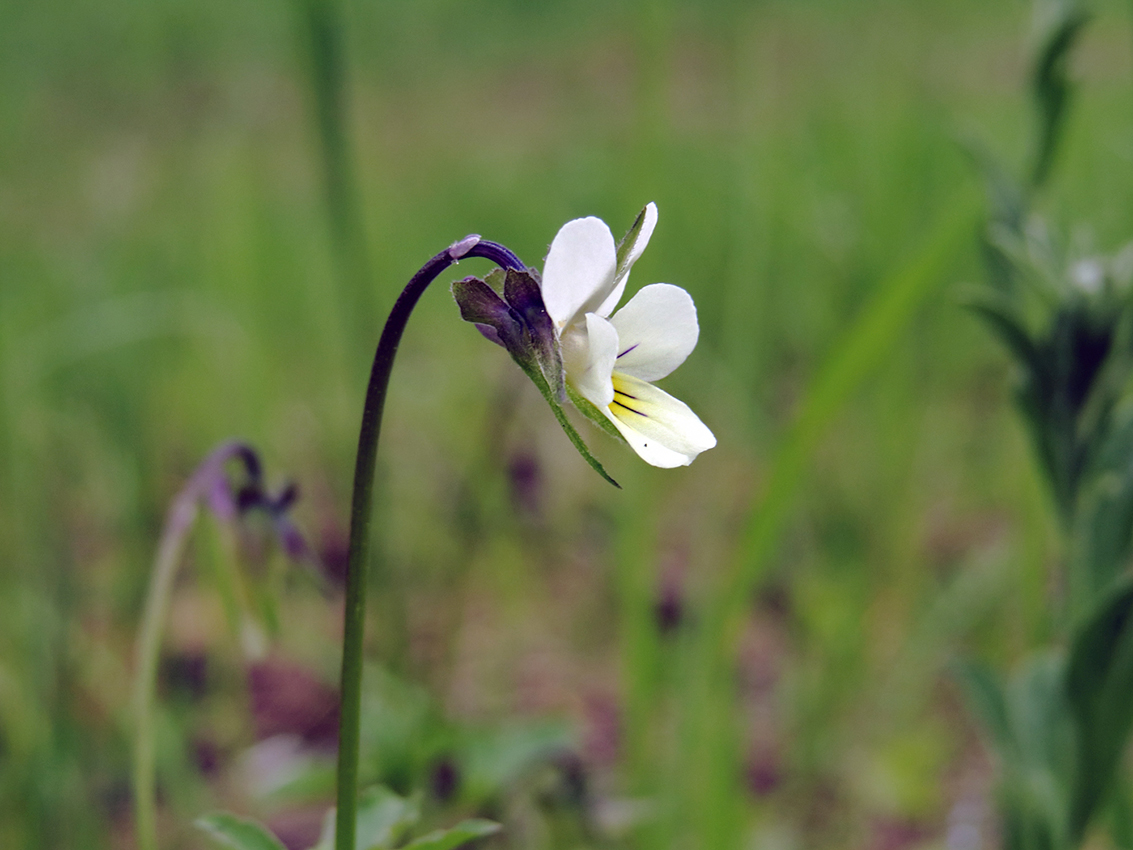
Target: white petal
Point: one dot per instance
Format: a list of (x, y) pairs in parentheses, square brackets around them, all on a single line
[(607, 306), (661, 429), (589, 367), (579, 269), (657, 330)]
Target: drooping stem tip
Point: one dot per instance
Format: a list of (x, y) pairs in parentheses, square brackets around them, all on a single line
[(360, 517)]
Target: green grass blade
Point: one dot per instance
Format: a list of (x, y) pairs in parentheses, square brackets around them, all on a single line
[(865, 346)]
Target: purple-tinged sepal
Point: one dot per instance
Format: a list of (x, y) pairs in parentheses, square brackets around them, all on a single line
[(517, 320), (507, 308), (523, 294)]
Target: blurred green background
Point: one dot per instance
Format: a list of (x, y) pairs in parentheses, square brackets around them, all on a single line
[(206, 211)]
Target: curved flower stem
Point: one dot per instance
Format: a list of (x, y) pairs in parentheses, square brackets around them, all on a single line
[(206, 483), (181, 516), (360, 516)]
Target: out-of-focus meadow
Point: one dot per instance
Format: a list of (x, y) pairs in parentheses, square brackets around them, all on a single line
[(206, 211)]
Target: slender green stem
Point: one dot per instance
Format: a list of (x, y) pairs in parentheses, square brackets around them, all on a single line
[(174, 535), (360, 516), (180, 522)]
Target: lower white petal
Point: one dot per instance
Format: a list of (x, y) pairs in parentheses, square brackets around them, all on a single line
[(660, 428)]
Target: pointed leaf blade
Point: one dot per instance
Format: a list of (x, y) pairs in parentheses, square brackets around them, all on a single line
[(462, 833), (384, 817), (1051, 83), (238, 833), (1000, 318), (985, 699), (382, 821), (1099, 688)]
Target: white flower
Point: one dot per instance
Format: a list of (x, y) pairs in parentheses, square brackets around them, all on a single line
[(612, 360)]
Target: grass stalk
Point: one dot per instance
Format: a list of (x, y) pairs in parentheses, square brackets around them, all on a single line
[(712, 759)]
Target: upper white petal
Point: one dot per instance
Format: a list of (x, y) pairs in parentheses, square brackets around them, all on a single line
[(589, 365), (657, 330), (660, 428), (622, 274), (579, 270)]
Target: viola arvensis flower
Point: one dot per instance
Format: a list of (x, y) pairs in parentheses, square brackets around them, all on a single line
[(611, 361), (561, 332)]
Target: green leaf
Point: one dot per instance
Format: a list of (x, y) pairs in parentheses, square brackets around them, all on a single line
[(1121, 813), (239, 833), (383, 819), (403, 731), (985, 699), (1029, 729), (1006, 199), (999, 315), (1035, 790), (1104, 530), (1050, 82), (1041, 727), (495, 759), (1099, 688), (447, 839)]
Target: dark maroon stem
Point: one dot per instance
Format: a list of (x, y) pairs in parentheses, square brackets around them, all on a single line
[(360, 515)]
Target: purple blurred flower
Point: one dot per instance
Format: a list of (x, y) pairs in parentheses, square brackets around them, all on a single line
[(211, 484)]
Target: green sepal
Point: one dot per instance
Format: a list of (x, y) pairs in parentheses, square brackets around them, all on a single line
[(495, 279), (517, 320), (522, 326), (627, 243), (576, 439), (523, 294), (447, 839), (238, 833), (591, 412)]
